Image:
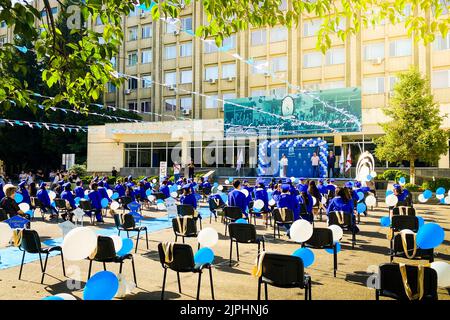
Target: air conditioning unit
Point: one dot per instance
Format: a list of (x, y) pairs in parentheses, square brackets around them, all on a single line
[(266, 74), (172, 87), (143, 15), (377, 60), (176, 32), (182, 6), (127, 91), (186, 112), (212, 81), (230, 79)]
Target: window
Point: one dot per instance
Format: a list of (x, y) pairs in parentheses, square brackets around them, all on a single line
[(229, 42), (186, 23), (401, 47), (186, 76), (333, 84), (311, 86), (134, 12), (373, 85), (279, 64), (3, 24), (283, 5), (374, 51), (335, 56), (258, 92), (392, 81), (113, 62), (170, 52), (132, 84), (260, 67), (171, 78), (440, 79), (132, 106), (171, 27), (311, 27), (132, 58), (211, 72), (279, 92), (228, 95), (111, 87), (209, 46), (146, 81), (228, 70), (44, 11), (132, 34), (171, 104), (2, 40), (146, 56), (441, 43), (186, 103), (186, 49), (258, 37), (278, 34), (147, 31), (145, 106), (211, 101), (311, 60)]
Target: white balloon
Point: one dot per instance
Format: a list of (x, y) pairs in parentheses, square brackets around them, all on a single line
[(79, 243), (24, 206), (109, 192), (407, 231), (440, 196), (245, 192), (208, 237), (174, 194), (227, 182), (179, 187), (447, 200), (443, 271), (65, 296), (338, 233), (421, 198), (6, 234), (271, 202), (370, 201), (86, 192), (220, 188), (391, 200), (259, 204), (114, 205), (373, 174), (314, 201), (9, 185), (151, 198), (117, 242), (154, 180), (301, 231), (161, 206), (323, 200), (292, 179), (52, 195)]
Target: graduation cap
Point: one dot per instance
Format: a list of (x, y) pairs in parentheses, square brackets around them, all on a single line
[(302, 179), (67, 184), (42, 185), (285, 187), (130, 177), (101, 184), (129, 185), (397, 186), (358, 184), (61, 182), (332, 180), (186, 186), (348, 184), (303, 188), (320, 180), (22, 183)]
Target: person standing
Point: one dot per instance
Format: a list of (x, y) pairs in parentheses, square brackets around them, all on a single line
[(331, 162), (283, 166), (191, 168), (176, 171), (114, 172), (315, 165)]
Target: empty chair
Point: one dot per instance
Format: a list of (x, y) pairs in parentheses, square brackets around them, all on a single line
[(281, 216), (86, 206), (188, 210), (406, 285), (404, 246), (282, 271), (231, 214), (37, 204), (184, 227), (322, 238), (399, 223), (345, 220), (215, 205), (159, 195), (130, 225), (403, 211), (31, 243), (106, 253), (62, 209), (244, 233), (180, 258)]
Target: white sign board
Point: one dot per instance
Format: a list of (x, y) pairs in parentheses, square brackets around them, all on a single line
[(162, 171), (68, 159)]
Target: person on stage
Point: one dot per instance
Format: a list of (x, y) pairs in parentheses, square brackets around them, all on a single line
[(331, 162), (283, 166), (315, 165)]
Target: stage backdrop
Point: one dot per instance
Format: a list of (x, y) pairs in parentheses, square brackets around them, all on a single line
[(298, 152), (334, 110)]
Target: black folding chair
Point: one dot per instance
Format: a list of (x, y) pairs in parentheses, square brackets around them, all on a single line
[(106, 253), (3, 215), (322, 238), (278, 219), (86, 206), (37, 204), (347, 223), (231, 214), (409, 249), (159, 196), (391, 283), (399, 223), (124, 201), (31, 243), (215, 205), (62, 209), (283, 271), (181, 259), (206, 192), (403, 211), (188, 210), (129, 225), (184, 227), (243, 233)]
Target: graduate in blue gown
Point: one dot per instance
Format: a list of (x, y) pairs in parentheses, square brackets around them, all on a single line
[(68, 196), (287, 200), (79, 191), (119, 188), (188, 197), (276, 192), (106, 184), (165, 189), (402, 194), (129, 192), (147, 185), (305, 204), (103, 192), (246, 186), (236, 198), (24, 192), (261, 194), (343, 202), (96, 202), (42, 195), (322, 188)]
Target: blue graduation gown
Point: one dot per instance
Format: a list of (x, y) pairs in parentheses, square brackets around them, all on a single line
[(25, 195), (42, 195), (309, 207), (276, 195), (337, 204), (250, 192), (261, 194), (106, 185), (103, 193), (120, 189), (286, 200), (165, 189), (189, 199), (402, 196), (67, 195), (237, 199), (322, 189), (96, 199), (79, 192)]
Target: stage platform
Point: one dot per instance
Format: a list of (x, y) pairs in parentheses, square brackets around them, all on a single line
[(252, 179)]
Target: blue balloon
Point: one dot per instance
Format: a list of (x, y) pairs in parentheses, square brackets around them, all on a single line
[(86, 197), (427, 194), (159, 201), (402, 180), (421, 221), (31, 213), (127, 246), (224, 197), (204, 255), (429, 236), (385, 221), (369, 177), (242, 220), (53, 204), (256, 209), (148, 192), (18, 197), (361, 207), (360, 195), (338, 248), (389, 192), (102, 286), (442, 201), (104, 202), (440, 190), (230, 179), (77, 200), (115, 196), (306, 255), (216, 184), (52, 298)]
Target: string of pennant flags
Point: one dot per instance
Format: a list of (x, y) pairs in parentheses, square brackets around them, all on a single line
[(45, 125)]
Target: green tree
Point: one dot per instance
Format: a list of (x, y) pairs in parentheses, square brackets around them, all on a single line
[(414, 131)]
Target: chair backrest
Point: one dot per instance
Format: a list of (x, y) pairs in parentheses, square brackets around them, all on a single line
[(398, 243), (242, 232), (405, 222), (105, 248), (31, 242), (213, 205), (206, 191), (124, 201), (403, 210), (159, 195), (85, 205), (289, 215), (185, 210), (283, 270), (117, 221), (35, 202), (128, 221), (333, 218), (321, 237), (60, 203), (250, 204), (183, 257), (3, 215), (232, 213), (391, 281), (191, 226)]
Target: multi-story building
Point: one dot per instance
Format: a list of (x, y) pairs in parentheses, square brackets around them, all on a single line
[(158, 52)]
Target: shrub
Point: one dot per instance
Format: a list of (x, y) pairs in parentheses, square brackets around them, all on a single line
[(413, 187), (395, 175), (79, 169), (433, 185)]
